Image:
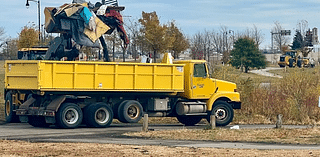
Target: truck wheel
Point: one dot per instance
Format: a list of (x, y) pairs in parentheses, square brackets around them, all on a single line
[(130, 111), (189, 120), (98, 115), (37, 121), (223, 112), (69, 115), (291, 62), (299, 63), (10, 116)]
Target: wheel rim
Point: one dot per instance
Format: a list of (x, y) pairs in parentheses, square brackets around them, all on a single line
[(102, 115), (133, 111), (221, 114), (8, 109), (71, 116)]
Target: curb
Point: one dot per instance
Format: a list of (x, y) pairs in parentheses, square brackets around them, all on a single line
[(2, 122)]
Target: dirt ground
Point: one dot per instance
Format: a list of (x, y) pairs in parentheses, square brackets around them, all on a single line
[(20, 148), (284, 136)]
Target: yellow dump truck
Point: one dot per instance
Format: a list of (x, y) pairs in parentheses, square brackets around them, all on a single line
[(68, 93)]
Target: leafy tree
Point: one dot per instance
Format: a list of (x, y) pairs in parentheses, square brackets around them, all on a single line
[(298, 42), (158, 40), (28, 37), (180, 42), (247, 55)]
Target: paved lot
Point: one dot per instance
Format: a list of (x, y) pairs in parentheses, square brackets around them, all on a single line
[(113, 134)]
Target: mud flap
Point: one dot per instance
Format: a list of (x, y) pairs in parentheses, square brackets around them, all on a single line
[(55, 104)]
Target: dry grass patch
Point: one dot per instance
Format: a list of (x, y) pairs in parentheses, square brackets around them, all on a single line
[(288, 136), (27, 149)]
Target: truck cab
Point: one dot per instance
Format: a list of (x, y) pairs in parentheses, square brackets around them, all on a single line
[(206, 94)]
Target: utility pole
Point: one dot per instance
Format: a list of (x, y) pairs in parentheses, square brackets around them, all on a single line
[(282, 33), (27, 5)]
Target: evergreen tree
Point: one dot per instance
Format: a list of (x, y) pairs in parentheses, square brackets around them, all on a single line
[(298, 42), (247, 55)]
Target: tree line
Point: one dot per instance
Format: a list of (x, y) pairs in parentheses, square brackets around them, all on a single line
[(150, 37)]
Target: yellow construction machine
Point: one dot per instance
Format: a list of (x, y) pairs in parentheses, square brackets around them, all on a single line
[(293, 58)]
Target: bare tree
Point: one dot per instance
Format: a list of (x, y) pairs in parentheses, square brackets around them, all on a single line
[(196, 46), (134, 33), (302, 27), (203, 44), (226, 43), (2, 37), (253, 33), (10, 49), (206, 44), (279, 40), (217, 41), (257, 35)]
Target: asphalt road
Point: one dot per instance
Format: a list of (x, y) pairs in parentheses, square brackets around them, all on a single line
[(114, 135)]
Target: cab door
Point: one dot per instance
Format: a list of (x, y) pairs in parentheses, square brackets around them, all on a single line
[(201, 84)]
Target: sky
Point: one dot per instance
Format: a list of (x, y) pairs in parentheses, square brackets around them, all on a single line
[(191, 16)]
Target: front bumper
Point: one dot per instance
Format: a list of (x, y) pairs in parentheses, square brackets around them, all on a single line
[(236, 105)]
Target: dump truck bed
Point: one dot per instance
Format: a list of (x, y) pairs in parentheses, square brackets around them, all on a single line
[(93, 76)]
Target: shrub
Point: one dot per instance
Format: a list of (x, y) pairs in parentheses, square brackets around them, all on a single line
[(295, 96)]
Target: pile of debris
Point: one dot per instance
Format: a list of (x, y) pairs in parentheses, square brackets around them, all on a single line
[(82, 23)]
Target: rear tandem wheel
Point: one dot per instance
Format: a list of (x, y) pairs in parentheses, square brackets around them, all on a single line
[(69, 116), (130, 111), (98, 115)]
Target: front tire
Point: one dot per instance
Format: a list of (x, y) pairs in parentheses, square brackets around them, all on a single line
[(223, 112), (189, 120), (130, 111), (98, 115), (291, 62), (69, 116), (299, 63)]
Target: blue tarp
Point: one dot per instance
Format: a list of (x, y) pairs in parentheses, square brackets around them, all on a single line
[(86, 15)]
